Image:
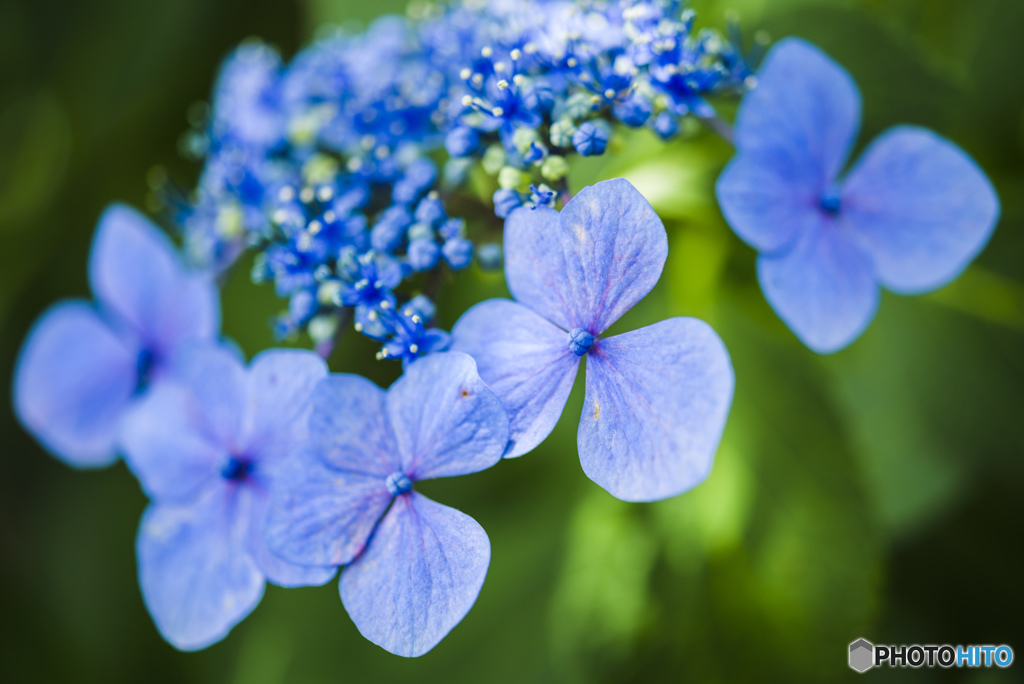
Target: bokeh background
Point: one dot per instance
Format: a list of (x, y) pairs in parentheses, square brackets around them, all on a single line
[(875, 493)]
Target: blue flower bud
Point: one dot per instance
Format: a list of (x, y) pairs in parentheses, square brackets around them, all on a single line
[(458, 252), (461, 141), (452, 228), (422, 254), (418, 176), (489, 256), (633, 112), (505, 201), (590, 139), (580, 341), (430, 210), (387, 235), (398, 483), (421, 306), (420, 231), (665, 125)]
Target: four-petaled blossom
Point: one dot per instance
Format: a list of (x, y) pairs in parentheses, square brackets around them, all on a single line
[(909, 215), (412, 576), (656, 399), (82, 365), (207, 448)]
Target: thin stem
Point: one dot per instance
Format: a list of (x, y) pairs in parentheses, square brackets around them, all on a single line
[(325, 348), (721, 127)]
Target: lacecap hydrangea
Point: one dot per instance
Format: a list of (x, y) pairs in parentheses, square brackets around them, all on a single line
[(356, 177)]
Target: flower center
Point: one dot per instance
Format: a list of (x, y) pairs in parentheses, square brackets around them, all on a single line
[(398, 483), (580, 341), (236, 469), (830, 199)]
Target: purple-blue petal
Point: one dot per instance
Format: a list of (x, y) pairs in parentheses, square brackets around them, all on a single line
[(197, 577), (349, 428), (445, 420), (656, 404), (525, 360), (320, 515), (921, 206), (135, 272), (219, 387), (823, 288), (73, 382), (601, 256), (281, 384), (277, 570), (802, 117), (164, 446), (763, 205), (420, 575)]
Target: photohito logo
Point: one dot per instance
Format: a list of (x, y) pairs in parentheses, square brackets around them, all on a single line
[(864, 655)]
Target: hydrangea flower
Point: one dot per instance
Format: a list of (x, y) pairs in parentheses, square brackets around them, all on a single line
[(83, 364), (414, 573), (207, 448), (909, 215), (657, 398)]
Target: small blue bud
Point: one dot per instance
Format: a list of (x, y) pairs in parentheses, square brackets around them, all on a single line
[(419, 231), (461, 141), (430, 210), (590, 139), (505, 201), (580, 341), (489, 256), (390, 228), (423, 254), (458, 252), (452, 228), (398, 483), (301, 306), (633, 112), (665, 125), (418, 176), (421, 306)]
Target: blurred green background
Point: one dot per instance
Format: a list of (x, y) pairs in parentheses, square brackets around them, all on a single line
[(875, 493)]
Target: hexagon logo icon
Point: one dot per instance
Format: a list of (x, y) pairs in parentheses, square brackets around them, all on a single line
[(862, 655)]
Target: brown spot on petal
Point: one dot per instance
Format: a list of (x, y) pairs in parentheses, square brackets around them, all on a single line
[(465, 393), (597, 410)]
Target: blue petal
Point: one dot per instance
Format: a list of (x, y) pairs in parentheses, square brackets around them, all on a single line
[(823, 288), (802, 117), (589, 265), (197, 577), (349, 428), (135, 272), (320, 515), (922, 206), (445, 419), (276, 569), (165, 447), (419, 577), (763, 204), (525, 360), (217, 384), (656, 404), (73, 382), (281, 384)]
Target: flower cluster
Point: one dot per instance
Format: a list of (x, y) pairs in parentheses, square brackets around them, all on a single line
[(328, 168), (343, 173)]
